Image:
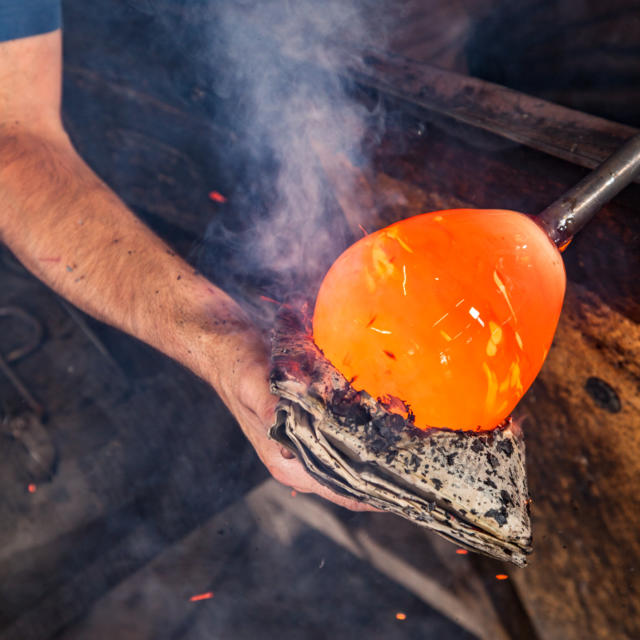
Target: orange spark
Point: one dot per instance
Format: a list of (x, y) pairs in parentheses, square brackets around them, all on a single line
[(364, 231), (565, 244), (401, 616), (32, 488), (293, 493), (501, 576), (201, 596), (216, 196), (267, 299), (461, 552)]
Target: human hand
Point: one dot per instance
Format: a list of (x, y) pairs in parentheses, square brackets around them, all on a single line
[(246, 393)]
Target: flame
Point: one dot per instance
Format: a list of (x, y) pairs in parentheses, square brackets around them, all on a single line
[(453, 313)]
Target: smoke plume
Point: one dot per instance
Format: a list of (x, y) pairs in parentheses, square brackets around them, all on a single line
[(277, 72)]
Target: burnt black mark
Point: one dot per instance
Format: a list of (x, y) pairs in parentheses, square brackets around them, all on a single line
[(499, 515), (345, 404), (477, 446), (492, 460), (436, 483), (451, 457), (383, 433), (389, 354), (461, 441), (277, 374), (490, 483), (603, 394), (506, 447), (391, 456), (505, 497)]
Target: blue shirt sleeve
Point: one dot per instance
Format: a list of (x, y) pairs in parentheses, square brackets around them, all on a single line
[(22, 18)]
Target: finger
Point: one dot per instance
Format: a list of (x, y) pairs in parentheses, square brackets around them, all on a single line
[(288, 470)]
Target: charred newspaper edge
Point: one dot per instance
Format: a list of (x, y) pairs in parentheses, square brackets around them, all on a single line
[(471, 488)]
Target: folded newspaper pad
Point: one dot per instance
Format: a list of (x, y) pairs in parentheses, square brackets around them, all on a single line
[(470, 488)]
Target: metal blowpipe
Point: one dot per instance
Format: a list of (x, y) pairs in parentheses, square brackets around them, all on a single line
[(567, 215)]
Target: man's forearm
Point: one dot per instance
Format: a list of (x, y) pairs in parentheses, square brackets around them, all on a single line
[(73, 233)]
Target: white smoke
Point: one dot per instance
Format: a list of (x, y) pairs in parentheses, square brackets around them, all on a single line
[(291, 110)]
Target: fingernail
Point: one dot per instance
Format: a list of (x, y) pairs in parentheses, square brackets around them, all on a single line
[(285, 453)]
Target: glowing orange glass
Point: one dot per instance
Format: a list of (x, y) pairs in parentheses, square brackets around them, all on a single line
[(453, 312)]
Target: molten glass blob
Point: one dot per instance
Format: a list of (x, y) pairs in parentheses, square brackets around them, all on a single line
[(453, 312)]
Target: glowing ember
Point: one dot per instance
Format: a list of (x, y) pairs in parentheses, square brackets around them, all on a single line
[(453, 312), (201, 596), (401, 616), (217, 197), (462, 552), (501, 576), (32, 488)]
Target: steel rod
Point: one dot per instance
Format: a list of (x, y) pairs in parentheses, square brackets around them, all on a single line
[(570, 213), (34, 405), (571, 135)]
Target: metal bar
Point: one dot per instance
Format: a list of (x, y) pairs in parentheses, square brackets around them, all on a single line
[(565, 133), (34, 405), (20, 352), (422, 89), (567, 215)]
